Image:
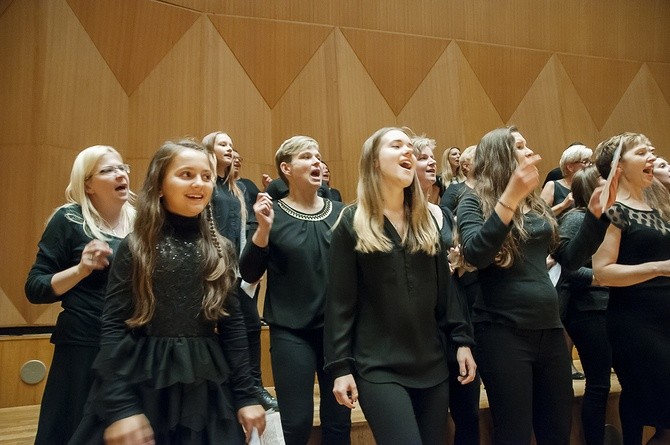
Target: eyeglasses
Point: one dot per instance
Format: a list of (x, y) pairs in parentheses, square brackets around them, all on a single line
[(585, 162), (112, 169)]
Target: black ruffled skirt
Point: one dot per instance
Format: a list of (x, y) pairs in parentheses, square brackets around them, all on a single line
[(179, 384)]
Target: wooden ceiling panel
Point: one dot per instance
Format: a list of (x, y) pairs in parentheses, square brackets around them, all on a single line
[(397, 63), (310, 106), (168, 105), (232, 103), (599, 82), (552, 115), (272, 53), (661, 74), (642, 109), (133, 50), (505, 73), (451, 105)]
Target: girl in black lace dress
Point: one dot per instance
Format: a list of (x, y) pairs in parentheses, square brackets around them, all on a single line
[(173, 363), (634, 261)]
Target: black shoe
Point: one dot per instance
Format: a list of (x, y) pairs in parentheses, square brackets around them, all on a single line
[(266, 400), (578, 375)]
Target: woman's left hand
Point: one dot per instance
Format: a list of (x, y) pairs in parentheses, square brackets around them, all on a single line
[(466, 365), (250, 417)]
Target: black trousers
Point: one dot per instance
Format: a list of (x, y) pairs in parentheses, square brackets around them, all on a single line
[(296, 356), (528, 381), (65, 394), (252, 322), (588, 330), (464, 407), (397, 414)]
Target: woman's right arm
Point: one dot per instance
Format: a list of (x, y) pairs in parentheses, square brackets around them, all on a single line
[(254, 257), (340, 313), (608, 273)]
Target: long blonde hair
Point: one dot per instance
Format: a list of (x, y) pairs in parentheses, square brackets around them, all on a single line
[(92, 222), (368, 222), (219, 258), (447, 172), (495, 161)]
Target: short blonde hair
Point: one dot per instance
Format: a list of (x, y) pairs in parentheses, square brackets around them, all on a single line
[(290, 147), (572, 154)]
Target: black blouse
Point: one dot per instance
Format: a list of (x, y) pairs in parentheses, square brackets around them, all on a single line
[(389, 314), (296, 261)]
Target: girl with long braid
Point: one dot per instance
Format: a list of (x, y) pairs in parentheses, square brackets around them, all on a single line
[(173, 362)]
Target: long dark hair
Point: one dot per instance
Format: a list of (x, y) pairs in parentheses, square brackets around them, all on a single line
[(219, 259)]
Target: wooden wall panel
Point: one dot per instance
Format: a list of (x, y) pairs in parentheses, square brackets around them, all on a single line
[(363, 110), (232, 103), (272, 53), (600, 82), (309, 107), (14, 352), (148, 31), (450, 105), (642, 109), (552, 115), (519, 68), (604, 28), (81, 102), (20, 63), (397, 63), (168, 105), (661, 73)]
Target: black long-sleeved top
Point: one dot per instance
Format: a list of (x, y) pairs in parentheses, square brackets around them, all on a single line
[(389, 314), (227, 211), (296, 260), (583, 296), (59, 249), (178, 351), (522, 295), (453, 195)]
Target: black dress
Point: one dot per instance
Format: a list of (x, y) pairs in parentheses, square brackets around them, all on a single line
[(638, 317), (77, 334), (176, 370)]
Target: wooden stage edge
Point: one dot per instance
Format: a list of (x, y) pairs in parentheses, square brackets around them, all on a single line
[(19, 424)]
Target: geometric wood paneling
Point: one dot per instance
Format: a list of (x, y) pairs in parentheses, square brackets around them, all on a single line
[(517, 66), (661, 73), (450, 105), (82, 103), (272, 53), (397, 63), (232, 103), (363, 111), (552, 115), (132, 35), (168, 105), (4, 4), (642, 109), (599, 82), (314, 89)]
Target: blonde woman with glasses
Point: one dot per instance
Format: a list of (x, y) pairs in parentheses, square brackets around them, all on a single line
[(71, 267)]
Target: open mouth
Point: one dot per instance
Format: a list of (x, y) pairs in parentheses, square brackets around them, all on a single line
[(406, 164), (196, 197), (121, 187)]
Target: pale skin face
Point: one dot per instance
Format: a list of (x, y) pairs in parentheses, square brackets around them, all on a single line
[(426, 167), (521, 149), (109, 183), (304, 169), (223, 147), (325, 173), (454, 157), (637, 164), (188, 183), (662, 171), (237, 164), (396, 161)]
